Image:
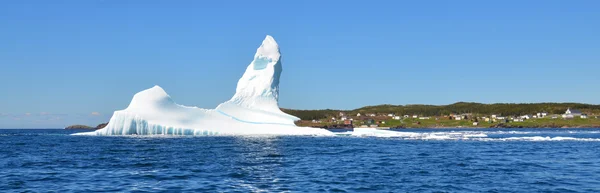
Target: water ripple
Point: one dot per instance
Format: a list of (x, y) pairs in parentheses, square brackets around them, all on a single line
[(52, 160)]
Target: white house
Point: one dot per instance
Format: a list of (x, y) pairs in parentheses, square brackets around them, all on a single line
[(475, 123), (573, 112), (397, 117), (494, 116), (526, 117), (390, 115), (500, 118), (415, 116), (343, 118), (568, 116), (358, 114), (422, 118), (458, 118), (542, 115), (406, 116), (518, 120), (584, 116)]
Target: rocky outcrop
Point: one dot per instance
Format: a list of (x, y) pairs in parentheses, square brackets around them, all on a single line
[(100, 126), (79, 127)]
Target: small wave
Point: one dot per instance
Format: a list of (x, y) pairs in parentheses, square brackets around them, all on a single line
[(456, 135), (547, 138), (371, 132)]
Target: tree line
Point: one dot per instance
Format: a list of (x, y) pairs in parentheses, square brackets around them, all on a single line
[(504, 109)]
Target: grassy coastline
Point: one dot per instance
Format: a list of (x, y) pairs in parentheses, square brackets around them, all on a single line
[(442, 122)]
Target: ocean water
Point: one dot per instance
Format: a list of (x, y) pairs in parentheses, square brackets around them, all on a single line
[(470, 160)]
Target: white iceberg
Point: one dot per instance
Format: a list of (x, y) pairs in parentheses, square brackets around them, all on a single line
[(253, 110)]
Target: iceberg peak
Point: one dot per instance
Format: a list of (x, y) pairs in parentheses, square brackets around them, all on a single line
[(269, 49), (261, 79), (144, 99)]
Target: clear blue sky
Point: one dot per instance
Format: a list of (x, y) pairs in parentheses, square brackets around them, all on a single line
[(62, 60)]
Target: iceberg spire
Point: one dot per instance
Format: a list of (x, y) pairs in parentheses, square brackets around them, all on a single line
[(258, 89), (261, 79)]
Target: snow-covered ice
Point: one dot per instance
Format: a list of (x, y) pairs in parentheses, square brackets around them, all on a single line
[(253, 110)]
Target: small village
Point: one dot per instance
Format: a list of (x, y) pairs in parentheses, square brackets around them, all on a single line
[(466, 120)]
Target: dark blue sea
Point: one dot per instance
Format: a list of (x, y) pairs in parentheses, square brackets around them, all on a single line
[(476, 160)]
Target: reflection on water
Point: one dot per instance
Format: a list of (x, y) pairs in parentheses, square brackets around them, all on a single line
[(259, 159)]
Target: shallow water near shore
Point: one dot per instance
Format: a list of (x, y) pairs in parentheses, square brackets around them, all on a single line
[(446, 160)]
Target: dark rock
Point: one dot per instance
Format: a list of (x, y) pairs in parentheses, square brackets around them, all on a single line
[(87, 127), (102, 125), (79, 127)]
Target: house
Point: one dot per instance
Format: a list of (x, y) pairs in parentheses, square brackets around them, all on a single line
[(573, 112), (348, 122), (397, 117), (390, 115), (342, 114), (358, 114), (501, 118), (568, 116), (487, 119), (343, 118), (542, 115), (494, 116), (423, 118), (406, 116), (526, 117), (371, 115), (415, 116), (518, 120), (459, 117), (475, 123), (584, 116)]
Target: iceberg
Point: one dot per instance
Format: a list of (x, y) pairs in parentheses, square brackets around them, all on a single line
[(253, 109)]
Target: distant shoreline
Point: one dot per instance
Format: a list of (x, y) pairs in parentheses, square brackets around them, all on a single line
[(385, 128)]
